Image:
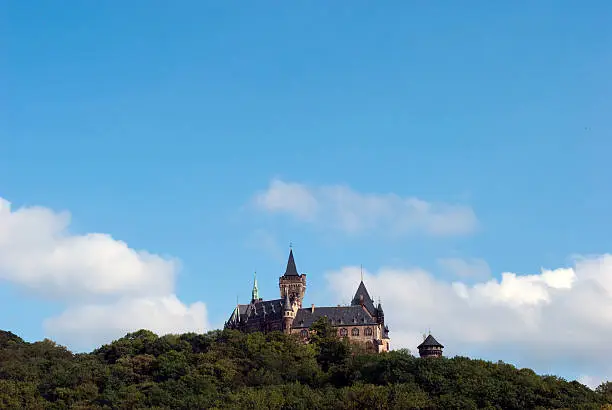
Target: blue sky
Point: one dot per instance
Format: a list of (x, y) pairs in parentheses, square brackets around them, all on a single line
[(160, 124)]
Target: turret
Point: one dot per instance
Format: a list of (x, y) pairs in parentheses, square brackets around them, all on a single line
[(288, 315), (430, 347), (380, 315)]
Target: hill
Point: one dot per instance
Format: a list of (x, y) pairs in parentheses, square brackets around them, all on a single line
[(231, 370)]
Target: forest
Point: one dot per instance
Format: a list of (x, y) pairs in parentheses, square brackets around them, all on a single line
[(226, 369)]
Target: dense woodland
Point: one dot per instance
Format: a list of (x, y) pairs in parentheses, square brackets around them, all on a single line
[(231, 370)]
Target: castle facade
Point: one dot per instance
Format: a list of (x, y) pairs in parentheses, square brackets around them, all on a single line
[(362, 322)]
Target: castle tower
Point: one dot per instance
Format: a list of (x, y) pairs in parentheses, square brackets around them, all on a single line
[(430, 347), (292, 284), (288, 315)]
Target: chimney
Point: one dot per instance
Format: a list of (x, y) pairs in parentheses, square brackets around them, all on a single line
[(312, 308)]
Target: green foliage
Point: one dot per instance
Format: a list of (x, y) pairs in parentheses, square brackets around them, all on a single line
[(231, 370)]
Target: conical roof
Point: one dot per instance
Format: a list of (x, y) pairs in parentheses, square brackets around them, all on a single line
[(430, 341), (287, 305), (291, 269), (362, 294)]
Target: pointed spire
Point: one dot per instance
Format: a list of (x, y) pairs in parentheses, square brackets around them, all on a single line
[(287, 303), (291, 268), (361, 271), (362, 294), (362, 297), (255, 292)]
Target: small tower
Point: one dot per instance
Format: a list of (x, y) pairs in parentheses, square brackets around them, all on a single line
[(288, 315), (380, 315), (292, 284), (430, 347), (255, 292)]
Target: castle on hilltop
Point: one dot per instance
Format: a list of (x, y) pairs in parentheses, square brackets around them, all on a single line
[(361, 322)]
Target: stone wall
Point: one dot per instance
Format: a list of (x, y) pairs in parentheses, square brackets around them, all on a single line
[(362, 337)]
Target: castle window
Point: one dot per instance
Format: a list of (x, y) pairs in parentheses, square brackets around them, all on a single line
[(304, 333), (355, 332), (368, 331), (343, 332)]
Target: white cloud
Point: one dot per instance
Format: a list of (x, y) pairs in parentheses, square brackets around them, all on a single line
[(288, 197), (473, 268), (106, 283), (91, 325), (352, 212), (557, 319), (592, 382)]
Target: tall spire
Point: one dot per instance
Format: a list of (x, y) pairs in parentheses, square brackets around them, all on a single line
[(291, 269), (255, 292), (361, 271)]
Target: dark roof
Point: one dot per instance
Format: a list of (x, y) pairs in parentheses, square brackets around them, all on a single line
[(430, 341), (287, 303), (291, 269), (367, 300), (267, 308), (241, 311), (338, 316)]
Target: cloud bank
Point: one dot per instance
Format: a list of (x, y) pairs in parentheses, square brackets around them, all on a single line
[(553, 321), (109, 289), (351, 212)]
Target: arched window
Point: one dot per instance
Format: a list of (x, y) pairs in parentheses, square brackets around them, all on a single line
[(368, 331), (304, 333), (343, 332), (355, 332)]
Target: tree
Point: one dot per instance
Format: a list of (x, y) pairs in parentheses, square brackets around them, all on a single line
[(605, 389)]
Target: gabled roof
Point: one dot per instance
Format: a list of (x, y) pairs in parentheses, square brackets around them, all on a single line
[(238, 312), (430, 341), (338, 316), (291, 269), (264, 308), (367, 300)]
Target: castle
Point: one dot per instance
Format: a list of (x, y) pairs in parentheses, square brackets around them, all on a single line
[(361, 322)]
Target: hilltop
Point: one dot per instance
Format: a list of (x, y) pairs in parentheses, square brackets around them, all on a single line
[(232, 370)]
